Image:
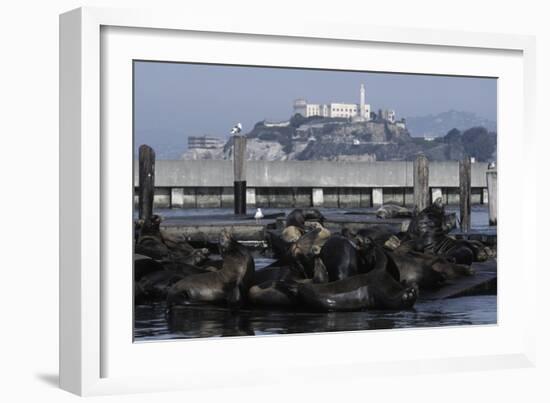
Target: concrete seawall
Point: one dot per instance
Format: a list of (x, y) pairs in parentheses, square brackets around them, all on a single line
[(208, 183)]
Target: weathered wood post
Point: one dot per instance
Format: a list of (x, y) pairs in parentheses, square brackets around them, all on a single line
[(492, 192), (465, 181), (239, 174), (421, 176), (146, 181)]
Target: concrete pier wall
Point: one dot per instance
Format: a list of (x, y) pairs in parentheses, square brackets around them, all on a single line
[(278, 184)]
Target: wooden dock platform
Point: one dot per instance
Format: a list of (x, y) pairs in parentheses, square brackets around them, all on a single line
[(246, 228), (208, 228), (483, 281), (336, 221)]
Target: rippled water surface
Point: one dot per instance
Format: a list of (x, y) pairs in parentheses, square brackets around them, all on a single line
[(154, 322)]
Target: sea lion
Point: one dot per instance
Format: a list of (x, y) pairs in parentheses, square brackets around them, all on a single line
[(292, 233), (297, 255), (343, 258), (418, 271), (196, 257), (186, 269), (481, 251), (229, 285), (298, 217), (144, 265), (428, 231), (176, 242), (393, 211), (378, 289), (431, 223), (166, 247), (274, 293), (380, 234), (322, 236), (283, 291), (154, 286), (271, 274), (149, 240)]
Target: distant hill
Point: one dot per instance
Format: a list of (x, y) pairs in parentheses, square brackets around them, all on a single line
[(320, 138), (439, 125), (337, 139)]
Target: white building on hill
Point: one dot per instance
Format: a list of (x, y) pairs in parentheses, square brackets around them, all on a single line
[(335, 110)]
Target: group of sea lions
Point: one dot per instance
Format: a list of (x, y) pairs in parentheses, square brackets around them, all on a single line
[(373, 268)]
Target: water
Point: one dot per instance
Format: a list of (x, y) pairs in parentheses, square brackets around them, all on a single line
[(155, 322)]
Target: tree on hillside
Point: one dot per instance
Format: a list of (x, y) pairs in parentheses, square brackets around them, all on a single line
[(479, 143), (453, 136)]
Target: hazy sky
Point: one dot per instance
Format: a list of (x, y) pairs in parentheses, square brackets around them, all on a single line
[(176, 100)]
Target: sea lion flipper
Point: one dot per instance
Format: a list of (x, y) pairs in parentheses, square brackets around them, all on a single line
[(233, 294), (320, 273), (392, 268), (385, 263)]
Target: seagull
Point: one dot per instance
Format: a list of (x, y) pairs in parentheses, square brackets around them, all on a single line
[(237, 129), (259, 215)]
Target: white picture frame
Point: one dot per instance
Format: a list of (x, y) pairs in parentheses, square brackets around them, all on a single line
[(96, 357)]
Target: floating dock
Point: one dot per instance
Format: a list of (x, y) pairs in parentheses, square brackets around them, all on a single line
[(246, 228), (484, 281), (206, 230)]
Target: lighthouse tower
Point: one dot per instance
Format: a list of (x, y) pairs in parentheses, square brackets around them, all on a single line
[(362, 102)]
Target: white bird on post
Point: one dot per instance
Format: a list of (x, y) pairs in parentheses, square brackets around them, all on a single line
[(259, 215), (237, 129)]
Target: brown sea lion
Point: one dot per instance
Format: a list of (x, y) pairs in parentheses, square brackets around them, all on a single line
[(344, 258), (144, 265), (297, 255), (323, 234), (229, 285), (149, 239), (428, 231), (283, 291), (298, 217), (292, 233), (378, 289), (393, 211), (164, 246)]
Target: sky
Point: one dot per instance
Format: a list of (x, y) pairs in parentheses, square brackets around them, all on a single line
[(175, 100)]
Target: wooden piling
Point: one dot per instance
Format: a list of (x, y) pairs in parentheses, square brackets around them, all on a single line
[(421, 182), (146, 181), (465, 181), (492, 191), (239, 174)]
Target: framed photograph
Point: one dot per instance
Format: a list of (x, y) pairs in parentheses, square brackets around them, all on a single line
[(244, 196)]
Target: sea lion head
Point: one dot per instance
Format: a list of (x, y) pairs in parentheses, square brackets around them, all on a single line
[(198, 256), (150, 226), (225, 240), (438, 203), (313, 224)]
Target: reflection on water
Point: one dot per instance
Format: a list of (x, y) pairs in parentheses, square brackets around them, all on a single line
[(155, 322)]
